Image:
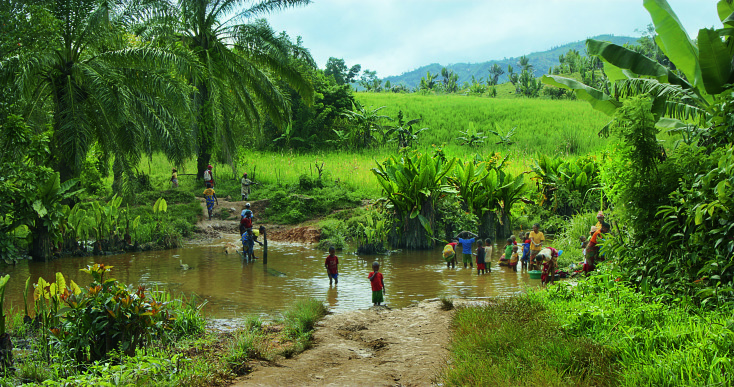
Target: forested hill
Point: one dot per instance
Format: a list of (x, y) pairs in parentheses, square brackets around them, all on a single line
[(541, 62)]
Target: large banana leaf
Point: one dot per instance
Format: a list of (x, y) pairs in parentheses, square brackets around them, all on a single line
[(636, 63), (595, 97), (674, 41), (725, 9), (715, 61)]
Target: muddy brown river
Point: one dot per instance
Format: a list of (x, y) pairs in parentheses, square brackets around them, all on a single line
[(234, 288)]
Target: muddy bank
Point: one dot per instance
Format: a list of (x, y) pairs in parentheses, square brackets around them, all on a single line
[(375, 347), (218, 227)]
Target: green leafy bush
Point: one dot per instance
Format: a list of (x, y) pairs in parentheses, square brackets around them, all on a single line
[(334, 232), (105, 316)]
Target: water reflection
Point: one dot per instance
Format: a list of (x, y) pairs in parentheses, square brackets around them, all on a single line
[(234, 287)]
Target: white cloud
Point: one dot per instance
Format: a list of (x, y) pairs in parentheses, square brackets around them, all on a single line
[(393, 36)]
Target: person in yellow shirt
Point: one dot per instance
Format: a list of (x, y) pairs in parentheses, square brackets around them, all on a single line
[(536, 243), (174, 178), (211, 197)]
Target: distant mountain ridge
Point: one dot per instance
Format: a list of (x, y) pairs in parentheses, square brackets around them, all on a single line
[(541, 61)]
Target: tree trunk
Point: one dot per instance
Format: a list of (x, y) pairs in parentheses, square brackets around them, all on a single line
[(488, 225), (41, 245), (204, 129), (505, 229), (117, 170), (411, 234)]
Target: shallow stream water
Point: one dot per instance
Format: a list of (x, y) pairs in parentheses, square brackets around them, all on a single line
[(234, 288)]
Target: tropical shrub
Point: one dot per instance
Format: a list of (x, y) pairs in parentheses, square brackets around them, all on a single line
[(568, 186), (104, 316)]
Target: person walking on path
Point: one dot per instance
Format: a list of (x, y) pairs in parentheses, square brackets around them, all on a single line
[(209, 176), (174, 178), (245, 186), (536, 243), (211, 197), (332, 266)]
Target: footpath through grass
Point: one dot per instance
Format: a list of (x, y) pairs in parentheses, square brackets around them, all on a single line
[(598, 333)]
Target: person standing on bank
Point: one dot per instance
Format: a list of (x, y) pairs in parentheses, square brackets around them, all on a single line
[(245, 186), (174, 178)]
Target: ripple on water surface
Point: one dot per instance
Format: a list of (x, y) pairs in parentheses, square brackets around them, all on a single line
[(234, 288)]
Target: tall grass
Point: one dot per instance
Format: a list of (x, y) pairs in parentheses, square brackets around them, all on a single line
[(543, 126), (598, 332), (518, 342)]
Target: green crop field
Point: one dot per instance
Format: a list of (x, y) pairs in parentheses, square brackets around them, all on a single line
[(563, 128), (556, 127)]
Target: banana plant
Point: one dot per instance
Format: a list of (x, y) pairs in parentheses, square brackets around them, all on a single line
[(510, 192), (412, 184), (705, 65)]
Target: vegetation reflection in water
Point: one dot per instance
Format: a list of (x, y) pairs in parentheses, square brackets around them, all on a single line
[(234, 288)]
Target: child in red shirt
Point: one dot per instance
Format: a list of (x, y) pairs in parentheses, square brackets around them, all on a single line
[(332, 264), (378, 284)]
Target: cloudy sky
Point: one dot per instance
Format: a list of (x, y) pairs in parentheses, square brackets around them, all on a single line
[(395, 36)]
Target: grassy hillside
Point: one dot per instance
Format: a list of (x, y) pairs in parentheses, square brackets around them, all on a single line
[(548, 126), (541, 61)]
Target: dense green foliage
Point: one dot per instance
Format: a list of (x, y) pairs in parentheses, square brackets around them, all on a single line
[(600, 332)]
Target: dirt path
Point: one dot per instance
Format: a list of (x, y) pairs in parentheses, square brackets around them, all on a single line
[(375, 347)]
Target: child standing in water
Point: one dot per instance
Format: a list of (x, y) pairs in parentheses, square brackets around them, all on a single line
[(488, 250), (514, 258), (332, 265), (480, 257), (525, 252), (378, 284)]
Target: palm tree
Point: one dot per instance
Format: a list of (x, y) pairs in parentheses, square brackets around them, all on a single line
[(524, 63), (97, 83), (240, 64)]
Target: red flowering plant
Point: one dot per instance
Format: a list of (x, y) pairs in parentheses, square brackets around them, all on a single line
[(106, 315)]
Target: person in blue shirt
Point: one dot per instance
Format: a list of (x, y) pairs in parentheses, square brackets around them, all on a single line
[(248, 244), (466, 245)]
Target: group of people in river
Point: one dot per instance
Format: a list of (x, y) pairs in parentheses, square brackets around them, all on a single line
[(530, 254)]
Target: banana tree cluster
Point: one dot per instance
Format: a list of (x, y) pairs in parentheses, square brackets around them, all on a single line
[(489, 192), (106, 223), (413, 183), (565, 185)]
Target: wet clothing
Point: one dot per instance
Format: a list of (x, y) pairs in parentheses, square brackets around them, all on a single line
[(481, 257), (467, 258), (332, 264), (466, 245), (377, 297)]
